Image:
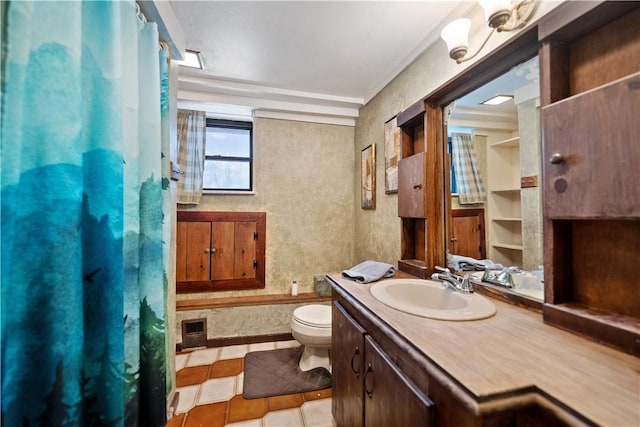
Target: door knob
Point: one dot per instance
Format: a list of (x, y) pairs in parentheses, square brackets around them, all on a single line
[(556, 159)]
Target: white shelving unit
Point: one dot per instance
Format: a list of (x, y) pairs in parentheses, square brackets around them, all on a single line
[(504, 209)]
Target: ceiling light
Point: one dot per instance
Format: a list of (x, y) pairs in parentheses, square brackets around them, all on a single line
[(192, 58), (502, 15), (497, 100)]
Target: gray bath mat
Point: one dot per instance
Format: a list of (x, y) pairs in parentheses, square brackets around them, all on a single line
[(276, 372)]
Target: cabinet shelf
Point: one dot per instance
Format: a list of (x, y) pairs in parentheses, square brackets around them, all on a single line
[(505, 190), (504, 202), (507, 143), (511, 246)]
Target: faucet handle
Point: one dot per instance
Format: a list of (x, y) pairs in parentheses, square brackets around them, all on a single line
[(444, 270)]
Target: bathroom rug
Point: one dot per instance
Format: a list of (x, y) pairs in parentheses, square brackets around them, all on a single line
[(276, 372)]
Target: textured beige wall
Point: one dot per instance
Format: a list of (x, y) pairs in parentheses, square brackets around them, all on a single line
[(303, 176), (531, 198), (378, 232)]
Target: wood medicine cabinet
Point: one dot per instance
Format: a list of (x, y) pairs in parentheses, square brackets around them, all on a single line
[(220, 251), (590, 96), (420, 187)]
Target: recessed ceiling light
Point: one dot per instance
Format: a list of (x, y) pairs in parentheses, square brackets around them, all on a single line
[(497, 100), (192, 58)]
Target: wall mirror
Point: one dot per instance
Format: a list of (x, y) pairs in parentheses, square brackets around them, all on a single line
[(499, 146)]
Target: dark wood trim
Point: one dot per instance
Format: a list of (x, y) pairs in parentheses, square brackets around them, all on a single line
[(617, 331), (506, 295), (252, 300), (412, 115), (221, 342), (435, 234), (219, 285), (220, 216), (520, 48), (575, 18)]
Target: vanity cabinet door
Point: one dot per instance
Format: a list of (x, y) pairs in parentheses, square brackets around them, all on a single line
[(347, 354), (391, 399)]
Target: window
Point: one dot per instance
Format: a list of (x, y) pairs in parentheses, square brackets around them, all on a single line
[(228, 163), (452, 172)]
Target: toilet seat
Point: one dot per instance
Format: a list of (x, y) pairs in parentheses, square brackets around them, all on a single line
[(315, 315)]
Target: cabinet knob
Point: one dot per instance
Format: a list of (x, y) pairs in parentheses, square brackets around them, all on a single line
[(556, 159), (454, 239), (207, 250), (417, 186)]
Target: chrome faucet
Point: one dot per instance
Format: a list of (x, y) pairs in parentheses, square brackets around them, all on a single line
[(458, 283), (502, 278)]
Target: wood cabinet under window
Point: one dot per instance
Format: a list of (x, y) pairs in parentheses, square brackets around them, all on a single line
[(220, 251)]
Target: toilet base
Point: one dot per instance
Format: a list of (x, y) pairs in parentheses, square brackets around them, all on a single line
[(315, 357)]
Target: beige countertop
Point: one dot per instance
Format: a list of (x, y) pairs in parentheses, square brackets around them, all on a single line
[(515, 350)]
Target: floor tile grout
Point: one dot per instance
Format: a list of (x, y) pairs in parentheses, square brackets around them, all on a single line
[(268, 404)]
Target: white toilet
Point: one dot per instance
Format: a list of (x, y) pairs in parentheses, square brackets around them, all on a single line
[(311, 327)]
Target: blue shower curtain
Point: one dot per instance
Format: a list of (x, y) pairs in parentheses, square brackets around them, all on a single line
[(84, 127)]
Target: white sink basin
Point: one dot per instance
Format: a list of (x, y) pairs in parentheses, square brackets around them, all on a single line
[(428, 298)]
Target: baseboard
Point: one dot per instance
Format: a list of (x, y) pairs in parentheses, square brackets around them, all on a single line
[(221, 342)]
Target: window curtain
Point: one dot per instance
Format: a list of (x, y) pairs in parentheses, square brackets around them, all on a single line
[(470, 187), (84, 262), (192, 139)]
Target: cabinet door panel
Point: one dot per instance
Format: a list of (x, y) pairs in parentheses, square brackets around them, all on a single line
[(245, 250), (412, 186), (347, 358), (468, 233), (390, 398), (198, 244), (222, 257), (181, 251), (595, 135)]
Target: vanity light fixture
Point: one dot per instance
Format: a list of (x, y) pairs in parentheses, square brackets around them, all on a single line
[(193, 59), (497, 100), (501, 15)]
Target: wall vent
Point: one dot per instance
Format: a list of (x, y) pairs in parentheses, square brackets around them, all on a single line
[(194, 333)]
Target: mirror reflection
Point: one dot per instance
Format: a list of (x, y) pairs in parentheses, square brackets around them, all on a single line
[(495, 154)]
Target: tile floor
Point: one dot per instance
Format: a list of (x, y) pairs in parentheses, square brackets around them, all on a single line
[(210, 385)]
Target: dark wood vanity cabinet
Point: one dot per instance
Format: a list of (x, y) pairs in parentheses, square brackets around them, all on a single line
[(347, 359), (368, 388)]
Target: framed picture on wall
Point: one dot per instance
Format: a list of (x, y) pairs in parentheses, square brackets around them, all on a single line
[(391, 155), (368, 174)]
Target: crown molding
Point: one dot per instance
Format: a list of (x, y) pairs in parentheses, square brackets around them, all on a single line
[(197, 88)]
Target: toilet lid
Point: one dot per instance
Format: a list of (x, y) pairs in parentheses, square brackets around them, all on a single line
[(313, 315)]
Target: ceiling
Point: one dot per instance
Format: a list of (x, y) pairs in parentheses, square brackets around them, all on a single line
[(310, 60), (522, 82)]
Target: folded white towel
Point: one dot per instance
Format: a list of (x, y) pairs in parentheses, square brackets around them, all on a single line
[(463, 263), (369, 271)]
